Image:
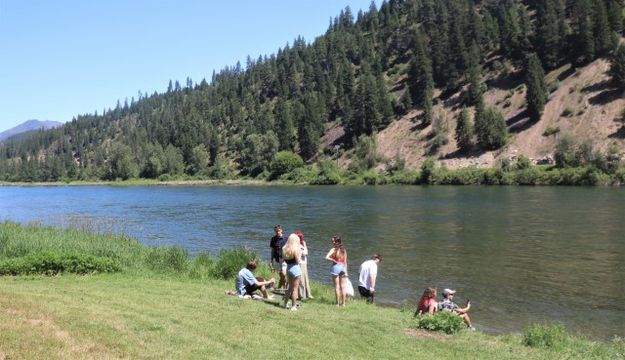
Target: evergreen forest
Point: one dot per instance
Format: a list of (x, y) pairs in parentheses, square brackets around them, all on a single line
[(314, 102)]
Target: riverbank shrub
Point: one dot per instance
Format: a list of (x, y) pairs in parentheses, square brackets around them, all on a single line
[(52, 263), (328, 174), (444, 321), (545, 336), (230, 261), (166, 259), (284, 162)]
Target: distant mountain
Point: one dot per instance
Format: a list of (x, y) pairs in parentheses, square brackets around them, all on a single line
[(27, 126)]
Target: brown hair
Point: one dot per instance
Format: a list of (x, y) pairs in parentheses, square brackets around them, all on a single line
[(376, 257), (251, 265)]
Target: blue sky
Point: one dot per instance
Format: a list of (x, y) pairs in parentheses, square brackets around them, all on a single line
[(62, 58)]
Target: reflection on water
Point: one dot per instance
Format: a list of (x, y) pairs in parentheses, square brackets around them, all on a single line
[(521, 254)]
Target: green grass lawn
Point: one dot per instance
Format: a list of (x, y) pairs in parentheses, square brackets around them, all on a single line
[(147, 314)]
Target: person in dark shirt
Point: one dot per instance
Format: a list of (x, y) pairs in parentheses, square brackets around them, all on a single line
[(276, 244)]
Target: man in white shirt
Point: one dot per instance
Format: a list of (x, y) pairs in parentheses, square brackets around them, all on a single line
[(367, 278)]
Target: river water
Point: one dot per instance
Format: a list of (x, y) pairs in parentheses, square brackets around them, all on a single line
[(521, 254)]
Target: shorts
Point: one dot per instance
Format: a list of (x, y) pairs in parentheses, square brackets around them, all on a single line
[(338, 270), (283, 267), (250, 289), (364, 292), (294, 271)]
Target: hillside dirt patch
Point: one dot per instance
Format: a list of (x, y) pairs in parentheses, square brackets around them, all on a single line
[(583, 106)]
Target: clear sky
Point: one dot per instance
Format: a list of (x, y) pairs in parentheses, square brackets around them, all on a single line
[(61, 58)]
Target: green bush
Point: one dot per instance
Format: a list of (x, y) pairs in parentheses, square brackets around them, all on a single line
[(551, 131), (446, 322), (544, 336), (166, 259), (405, 177), (300, 175), (284, 162), (51, 263), (231, 261), (202, 266), (371, 177), (328, 174)]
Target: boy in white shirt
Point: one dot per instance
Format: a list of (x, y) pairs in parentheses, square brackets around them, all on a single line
[(368, 277)]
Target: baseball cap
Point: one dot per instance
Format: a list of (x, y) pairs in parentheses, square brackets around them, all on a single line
[(449, 292)]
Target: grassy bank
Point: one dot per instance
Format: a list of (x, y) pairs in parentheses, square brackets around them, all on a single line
[(161, 304)]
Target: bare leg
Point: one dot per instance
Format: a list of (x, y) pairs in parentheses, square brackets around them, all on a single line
[(466, 319), (287, 295), (282, 282), (337, 289), (294, 285), (263, 290), (343, 290)]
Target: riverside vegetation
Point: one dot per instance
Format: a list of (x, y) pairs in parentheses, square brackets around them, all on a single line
[(135, 301), (414, 61)]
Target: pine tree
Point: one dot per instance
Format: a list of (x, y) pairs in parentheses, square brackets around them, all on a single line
[(420, 81), (601, 29), (476, 88), (309, 127), (490, 128), (582, 42), (536, 96), (464, 131), (617, 67), (284, 128), (549, 31)]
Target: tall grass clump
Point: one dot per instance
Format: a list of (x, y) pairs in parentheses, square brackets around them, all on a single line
[(230, 261), (18, 241), (545, 336), (444, 321), (167, 259), (51, 263), (201, 266)]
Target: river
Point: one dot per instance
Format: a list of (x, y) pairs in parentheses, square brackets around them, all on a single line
[(521, 254)]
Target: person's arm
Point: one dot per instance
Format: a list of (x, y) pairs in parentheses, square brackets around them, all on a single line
[(263, 283), (329, 255), (345, 260), (465, 309), (432, 308), (372, 277), (305, 250)]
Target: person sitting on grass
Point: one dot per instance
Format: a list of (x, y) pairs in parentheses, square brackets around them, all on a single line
[(448, 305), (247, 284), (427, 303)]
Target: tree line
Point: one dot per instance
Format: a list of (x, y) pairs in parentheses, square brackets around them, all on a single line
[(367, 69)]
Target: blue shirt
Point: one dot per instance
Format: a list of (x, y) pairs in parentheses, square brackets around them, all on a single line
[(244, 278)]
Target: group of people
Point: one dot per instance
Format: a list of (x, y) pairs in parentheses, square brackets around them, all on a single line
[(290, 256)]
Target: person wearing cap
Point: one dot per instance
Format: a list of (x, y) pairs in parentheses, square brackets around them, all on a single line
[(276, 244), (448, 305), (368, 277), (304, 284)]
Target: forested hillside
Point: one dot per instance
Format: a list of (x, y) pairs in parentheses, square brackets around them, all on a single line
[(453, 80)]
